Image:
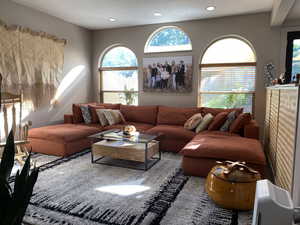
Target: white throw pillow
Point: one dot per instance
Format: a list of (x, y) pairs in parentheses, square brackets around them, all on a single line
[(101, 116), (203, 125), (113, 116)]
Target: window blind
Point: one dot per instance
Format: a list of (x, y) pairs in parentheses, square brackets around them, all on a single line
[(240, 79)]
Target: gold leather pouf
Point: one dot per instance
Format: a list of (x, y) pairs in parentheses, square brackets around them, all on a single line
[(232, 185)]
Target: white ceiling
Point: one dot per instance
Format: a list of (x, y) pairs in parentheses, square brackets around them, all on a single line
[(95, 14)]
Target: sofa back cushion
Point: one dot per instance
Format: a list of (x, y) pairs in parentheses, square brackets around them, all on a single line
[(175, 115), (139, 114), (216, 111), (239, 123), (218, 121), (77, 113), (109, 105)]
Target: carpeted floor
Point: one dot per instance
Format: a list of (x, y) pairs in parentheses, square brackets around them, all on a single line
[(74, 191)]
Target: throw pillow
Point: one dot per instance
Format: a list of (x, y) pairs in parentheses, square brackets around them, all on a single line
[(87, 118), (193, 121), (93, 108), (102, 119), (230, 118), (113, 116), (77, 113), (218, 121), (240, 122), (203, 125)]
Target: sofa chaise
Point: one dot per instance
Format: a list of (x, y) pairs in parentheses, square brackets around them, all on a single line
[(200, 151)]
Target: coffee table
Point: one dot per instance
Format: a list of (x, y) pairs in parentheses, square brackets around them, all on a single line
[(115, 149)]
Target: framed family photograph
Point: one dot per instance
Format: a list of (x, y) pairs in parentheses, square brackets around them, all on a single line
[(168, 74)]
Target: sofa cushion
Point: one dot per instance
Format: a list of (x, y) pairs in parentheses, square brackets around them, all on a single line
[(175, 115), (193, 122), (239, 123), (203, 125), (93, 108), (77, 114), (173, 132), (109, 105), (229, 120), (63, 132), (113, 116), (139, 114), (222, 147), (216, 111), (218, 121), (141, 127), (86, 114)]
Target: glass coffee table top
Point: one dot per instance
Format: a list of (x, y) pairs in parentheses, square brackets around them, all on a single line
[(117, 135)]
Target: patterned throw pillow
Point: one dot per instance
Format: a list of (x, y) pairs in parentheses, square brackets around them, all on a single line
[(113, 116), (86, 114), (203, 125), (230, 118), (101, 116), (193, 121), (93, 108)]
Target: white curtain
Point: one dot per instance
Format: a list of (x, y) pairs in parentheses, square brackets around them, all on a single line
[(30, 63)]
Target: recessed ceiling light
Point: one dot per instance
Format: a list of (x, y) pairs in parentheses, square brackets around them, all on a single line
[(112, 19), (157, 14), (210, 8)]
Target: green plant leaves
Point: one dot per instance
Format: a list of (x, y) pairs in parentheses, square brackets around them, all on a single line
[(13, 204), (7, 161)]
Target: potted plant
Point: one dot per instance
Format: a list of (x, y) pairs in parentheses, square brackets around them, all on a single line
[(14, 199)]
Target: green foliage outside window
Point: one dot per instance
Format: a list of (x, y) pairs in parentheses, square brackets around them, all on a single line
[(228, 101), (128, 96)]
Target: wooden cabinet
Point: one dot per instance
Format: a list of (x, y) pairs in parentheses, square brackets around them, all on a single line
[(280, 133)]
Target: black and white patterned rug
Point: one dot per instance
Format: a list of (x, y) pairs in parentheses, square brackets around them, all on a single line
[(74, 191)]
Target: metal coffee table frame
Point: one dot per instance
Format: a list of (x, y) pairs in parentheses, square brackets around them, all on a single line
[(147, 164)]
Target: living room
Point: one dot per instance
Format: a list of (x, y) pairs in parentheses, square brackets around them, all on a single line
[(193, 85)]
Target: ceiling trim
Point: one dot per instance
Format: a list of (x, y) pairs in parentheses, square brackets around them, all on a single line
[(280, 11)]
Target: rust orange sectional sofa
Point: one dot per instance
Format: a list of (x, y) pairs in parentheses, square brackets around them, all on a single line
[(200, 151)]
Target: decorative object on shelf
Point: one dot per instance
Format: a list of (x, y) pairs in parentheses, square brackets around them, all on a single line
[(168, 74), (231, 185), (129, 130), (269, 74), (14, 201)]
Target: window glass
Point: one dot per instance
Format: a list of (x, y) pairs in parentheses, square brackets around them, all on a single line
[(121, 80), (119, 57), (296, 57), (231, 85), (169, 39), (228, 50)]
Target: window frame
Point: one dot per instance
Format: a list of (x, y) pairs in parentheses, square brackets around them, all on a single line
[(102, 69), (291, 36), (238, 64), (146, 51)]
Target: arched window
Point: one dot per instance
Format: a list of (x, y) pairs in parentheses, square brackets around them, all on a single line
[(168, 39), (228, 70), (119, 76)]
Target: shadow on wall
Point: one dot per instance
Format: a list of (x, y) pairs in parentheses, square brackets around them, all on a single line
[(60, 103)]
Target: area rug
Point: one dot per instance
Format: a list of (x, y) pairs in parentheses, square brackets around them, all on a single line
[(74, 191)]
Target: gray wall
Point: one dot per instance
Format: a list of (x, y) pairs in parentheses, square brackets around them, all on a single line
[(77, 52), (255, 28)]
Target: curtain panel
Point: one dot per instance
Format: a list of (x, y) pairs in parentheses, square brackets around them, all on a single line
[(30, 63)]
